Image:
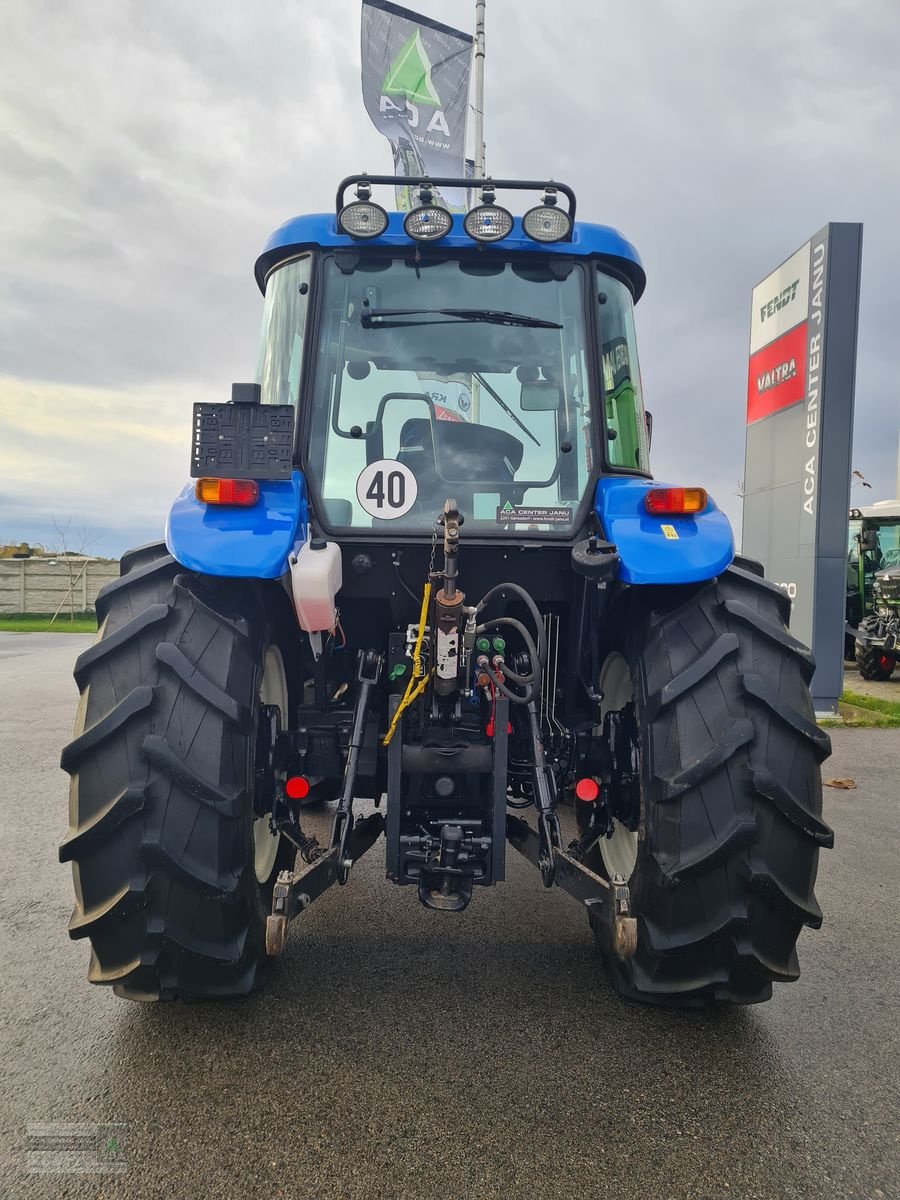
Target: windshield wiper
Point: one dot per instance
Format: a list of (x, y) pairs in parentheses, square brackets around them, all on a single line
[(374, 318)]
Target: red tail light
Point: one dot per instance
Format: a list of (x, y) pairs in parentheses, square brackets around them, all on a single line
[(674, 501), (242, 492), (297, 787), (587, 789)]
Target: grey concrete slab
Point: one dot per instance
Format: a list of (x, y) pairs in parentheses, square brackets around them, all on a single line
[(19, 645), (404, 1053)]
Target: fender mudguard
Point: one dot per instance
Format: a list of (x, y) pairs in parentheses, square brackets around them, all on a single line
[(242, 543), (661, 550)]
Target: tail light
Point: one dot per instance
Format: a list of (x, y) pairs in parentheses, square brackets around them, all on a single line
[(587, 789), (675, 501), (297, 787), (240, 492)]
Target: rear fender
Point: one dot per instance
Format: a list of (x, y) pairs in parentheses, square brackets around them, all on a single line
[(661, 550), (242, 543)]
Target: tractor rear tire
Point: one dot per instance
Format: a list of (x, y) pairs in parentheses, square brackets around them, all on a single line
[(172, 872), (731, 800), (872, 661)]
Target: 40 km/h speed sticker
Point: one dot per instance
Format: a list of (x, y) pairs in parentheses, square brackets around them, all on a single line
[(386, 489)]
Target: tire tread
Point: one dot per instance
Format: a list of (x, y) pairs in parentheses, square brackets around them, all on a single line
[(160, 812), (732, 795)]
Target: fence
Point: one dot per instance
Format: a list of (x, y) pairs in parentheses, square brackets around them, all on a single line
[(43, 585)]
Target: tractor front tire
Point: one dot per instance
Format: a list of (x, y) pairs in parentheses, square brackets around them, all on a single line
[(873, 662), (730, 828), (172, 869)]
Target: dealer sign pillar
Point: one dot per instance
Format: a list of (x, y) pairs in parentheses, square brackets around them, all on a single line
[(803, 329)]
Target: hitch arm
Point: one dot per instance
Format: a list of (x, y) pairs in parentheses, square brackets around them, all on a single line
[(548, 836), (295, 890), (612, 899), (368, 672)]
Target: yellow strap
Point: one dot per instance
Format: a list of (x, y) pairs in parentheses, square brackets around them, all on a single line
[(413, 689), (417, 650), (405, 703)]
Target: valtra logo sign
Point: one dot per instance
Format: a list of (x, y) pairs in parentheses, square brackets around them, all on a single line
[(777, 375)]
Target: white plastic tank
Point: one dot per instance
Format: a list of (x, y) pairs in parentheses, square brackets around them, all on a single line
[(315, 582)]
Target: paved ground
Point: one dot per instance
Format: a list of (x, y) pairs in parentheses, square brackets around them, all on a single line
[(407, 1054)]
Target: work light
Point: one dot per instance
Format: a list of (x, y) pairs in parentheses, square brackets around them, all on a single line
[(363, 219), (488, 223), (427, 223), (547, 224)]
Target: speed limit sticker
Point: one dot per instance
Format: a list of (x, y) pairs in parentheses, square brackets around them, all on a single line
[(386, 489)]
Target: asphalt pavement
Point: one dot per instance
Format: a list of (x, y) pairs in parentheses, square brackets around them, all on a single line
[(402, 1053)]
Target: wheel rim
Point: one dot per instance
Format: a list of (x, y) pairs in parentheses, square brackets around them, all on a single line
[(618, 852), (272, 690)]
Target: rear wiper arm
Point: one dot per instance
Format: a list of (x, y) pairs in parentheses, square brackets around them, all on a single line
[(375, 317), (509, 412)]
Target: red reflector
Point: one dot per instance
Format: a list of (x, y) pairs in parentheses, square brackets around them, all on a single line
[(671, 501), (244, 492), (587, 789), (297, 787)]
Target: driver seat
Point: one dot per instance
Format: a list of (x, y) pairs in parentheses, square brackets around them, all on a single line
[(467, 454)]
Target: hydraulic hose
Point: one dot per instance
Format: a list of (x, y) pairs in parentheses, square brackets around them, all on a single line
[(529, 604), (523, 680), (537, 651), (531, 683), (530, 694)]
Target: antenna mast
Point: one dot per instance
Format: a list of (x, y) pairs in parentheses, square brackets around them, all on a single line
[(479, 90)]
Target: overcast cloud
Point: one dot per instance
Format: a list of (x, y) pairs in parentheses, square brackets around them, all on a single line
[(147, 151)]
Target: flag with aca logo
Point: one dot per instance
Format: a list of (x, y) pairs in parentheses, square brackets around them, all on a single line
[(415, 83)]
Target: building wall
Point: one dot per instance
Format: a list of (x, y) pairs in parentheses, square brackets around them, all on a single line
[(37, 585)]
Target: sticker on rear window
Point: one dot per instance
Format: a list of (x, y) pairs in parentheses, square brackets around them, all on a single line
[(528, 514), (386, 489)]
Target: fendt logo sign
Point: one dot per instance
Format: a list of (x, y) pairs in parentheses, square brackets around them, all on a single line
[(782, 300), (799, 432)]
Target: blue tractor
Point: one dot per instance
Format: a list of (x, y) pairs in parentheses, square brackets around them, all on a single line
[(423, 573)]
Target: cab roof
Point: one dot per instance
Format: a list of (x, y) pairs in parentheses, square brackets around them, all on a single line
[(320, 231), (883, 509)]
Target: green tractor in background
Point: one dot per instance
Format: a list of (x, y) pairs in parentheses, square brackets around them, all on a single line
[(873, 589)]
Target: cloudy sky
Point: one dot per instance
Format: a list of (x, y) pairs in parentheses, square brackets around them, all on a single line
[(148, 149)]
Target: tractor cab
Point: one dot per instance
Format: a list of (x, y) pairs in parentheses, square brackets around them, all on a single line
[(484, 357), (873, 545)]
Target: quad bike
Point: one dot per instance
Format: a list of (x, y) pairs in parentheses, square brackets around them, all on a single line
[(423, 564)]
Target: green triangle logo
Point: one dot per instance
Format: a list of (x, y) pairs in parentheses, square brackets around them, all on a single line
[(507, 507), (409, 74)]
